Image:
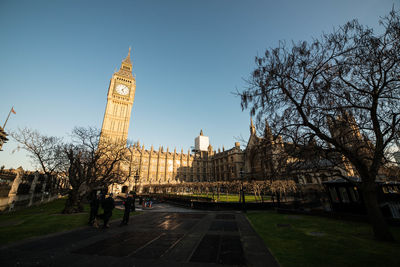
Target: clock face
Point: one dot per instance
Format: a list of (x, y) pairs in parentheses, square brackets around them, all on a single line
[(122, 89)]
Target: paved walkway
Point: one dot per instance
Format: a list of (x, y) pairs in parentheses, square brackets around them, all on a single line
[(161, 236)]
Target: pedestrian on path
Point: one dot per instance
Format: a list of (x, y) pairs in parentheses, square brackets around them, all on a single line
[(148, 203), (108, 206), (133, 201), (94, 208), (129, 204), (141, 201)]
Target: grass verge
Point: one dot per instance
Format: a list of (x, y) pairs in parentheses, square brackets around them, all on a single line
[(231, 197), (315, 241), (43, 220)]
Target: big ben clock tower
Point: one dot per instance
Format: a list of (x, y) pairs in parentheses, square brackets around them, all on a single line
[(120, 97)]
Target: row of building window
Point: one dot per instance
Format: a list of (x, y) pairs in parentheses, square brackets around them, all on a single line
[(124, 80)]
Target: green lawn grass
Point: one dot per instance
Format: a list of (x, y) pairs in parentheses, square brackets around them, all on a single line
[(230, 197), (42, 220), (342, 243)]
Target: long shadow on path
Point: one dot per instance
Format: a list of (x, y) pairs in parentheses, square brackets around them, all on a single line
[(151, 239)]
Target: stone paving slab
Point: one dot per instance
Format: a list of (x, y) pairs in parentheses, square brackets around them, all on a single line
[(226, 226), (151, 239)]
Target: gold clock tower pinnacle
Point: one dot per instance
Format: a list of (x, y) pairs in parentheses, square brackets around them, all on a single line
[(120, 97)]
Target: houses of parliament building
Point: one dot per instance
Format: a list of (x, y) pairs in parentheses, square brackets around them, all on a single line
[(160, 166)]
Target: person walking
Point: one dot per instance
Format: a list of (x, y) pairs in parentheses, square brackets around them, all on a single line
[(140, 201), (133, 201), (94, 208), (108, 206), (129, 204)]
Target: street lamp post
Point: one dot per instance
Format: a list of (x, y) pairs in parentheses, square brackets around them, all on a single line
[(136, 176), (242, 191)]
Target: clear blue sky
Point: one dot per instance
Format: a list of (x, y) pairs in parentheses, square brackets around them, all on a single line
[(57, 57)]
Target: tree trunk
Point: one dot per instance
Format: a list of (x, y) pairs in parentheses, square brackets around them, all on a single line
[(73, 203), (378, 222)]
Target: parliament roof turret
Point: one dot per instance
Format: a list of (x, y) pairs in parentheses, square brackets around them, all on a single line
[(252, 127)]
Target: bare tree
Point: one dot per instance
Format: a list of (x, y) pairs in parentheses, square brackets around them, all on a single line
[(45, 151), (85, 162), (91, 164), (343, 91)]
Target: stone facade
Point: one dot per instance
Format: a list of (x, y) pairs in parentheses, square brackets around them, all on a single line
[(227, 164), (170, 167)]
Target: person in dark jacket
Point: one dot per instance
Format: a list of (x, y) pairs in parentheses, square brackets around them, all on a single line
[(108, 206), (129, 204), (94, 207)]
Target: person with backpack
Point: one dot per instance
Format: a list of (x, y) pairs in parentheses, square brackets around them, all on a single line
[(108, 206)]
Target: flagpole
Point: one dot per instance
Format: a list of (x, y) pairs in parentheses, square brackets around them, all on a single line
[(9, 113)]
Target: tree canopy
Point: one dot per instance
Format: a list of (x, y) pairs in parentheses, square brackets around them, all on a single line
[(341, 91)]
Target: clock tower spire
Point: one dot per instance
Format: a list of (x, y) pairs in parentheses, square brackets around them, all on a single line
[(120, 97)]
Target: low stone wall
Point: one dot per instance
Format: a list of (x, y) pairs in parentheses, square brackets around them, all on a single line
[(19, 189), (23, 201)]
